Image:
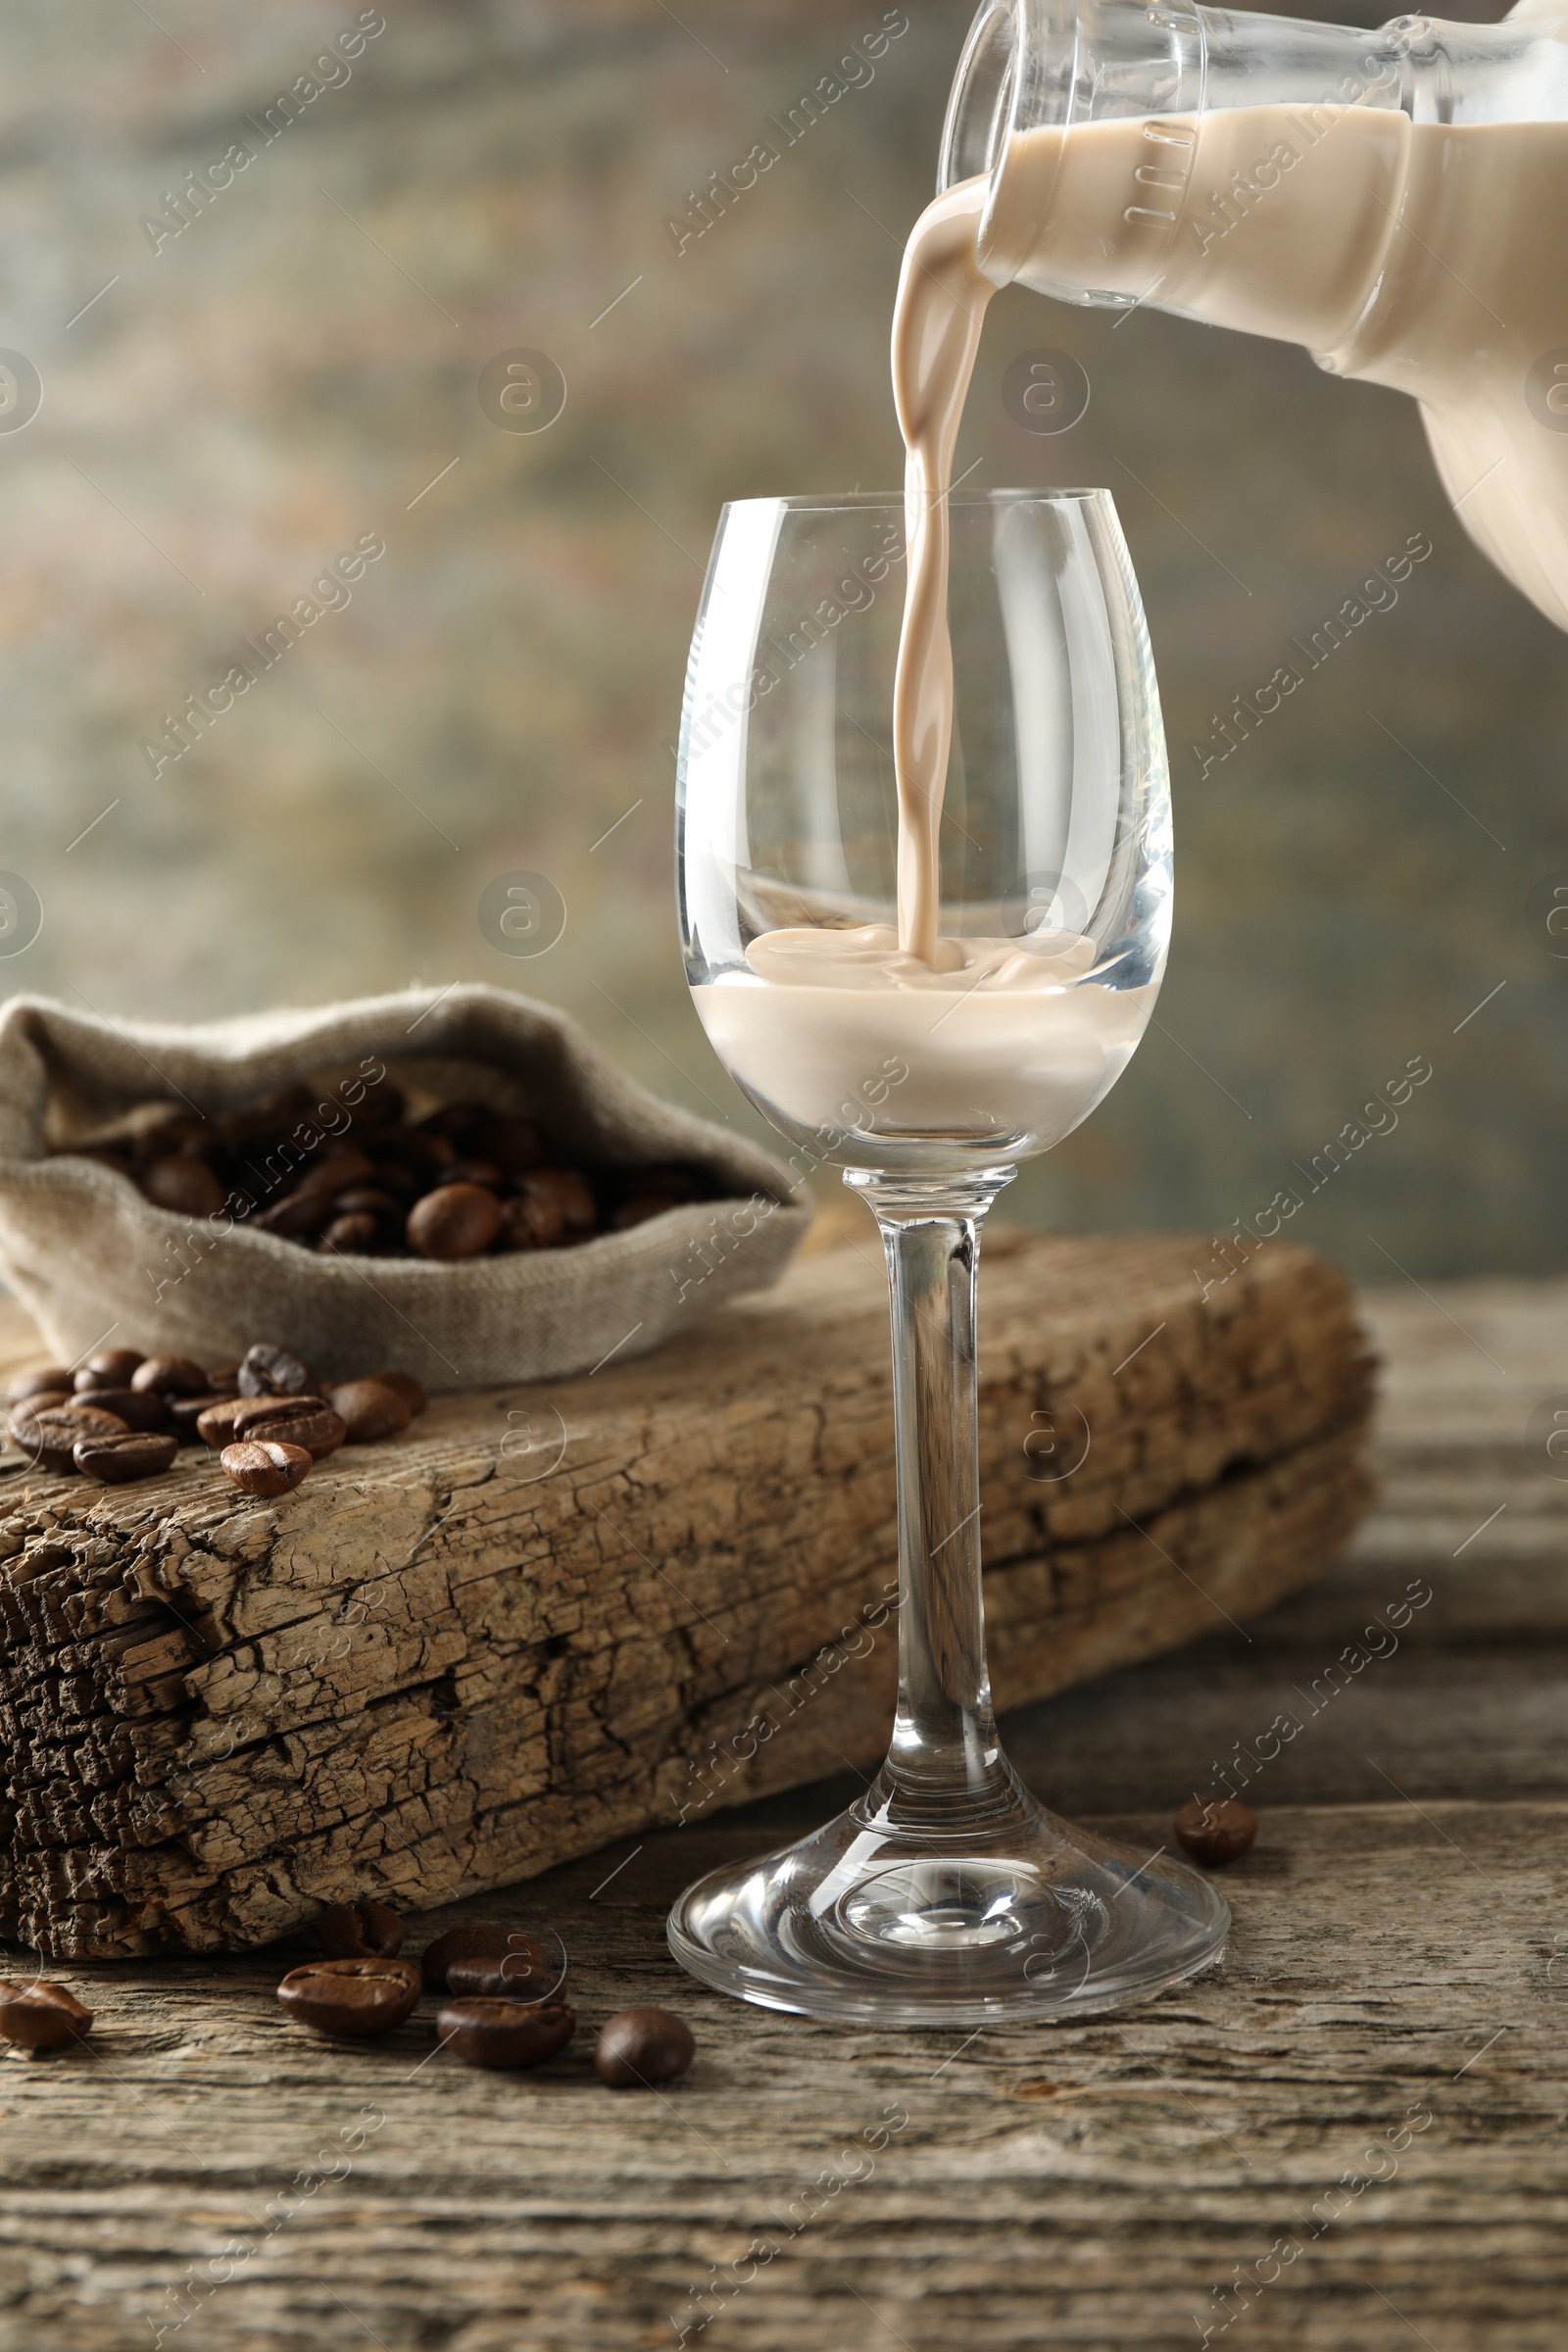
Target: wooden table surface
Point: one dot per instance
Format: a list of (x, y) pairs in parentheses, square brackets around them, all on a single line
[(1356, 2127)]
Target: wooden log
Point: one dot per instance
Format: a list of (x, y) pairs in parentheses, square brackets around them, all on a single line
[(550, 1616)]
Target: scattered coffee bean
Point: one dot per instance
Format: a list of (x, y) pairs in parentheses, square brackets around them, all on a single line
[(639, 2048), (525, 1971), (293, 1421), (263, 1467), (53, 1400), (1215, 1831), (225, 1382), (504, 2034), (365, 1930), (485, 1940), (138, 1408), (41, 2017), (49, 1436), (215, 1423), (355, 1998), (267, 1371), (171, 1376), (187, 1186), (369, 1411), (44, 1380), (403, 1385), (116, 1462), (457, 1221)]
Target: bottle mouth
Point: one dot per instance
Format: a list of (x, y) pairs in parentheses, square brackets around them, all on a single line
[(981, 103), (1043, 67)]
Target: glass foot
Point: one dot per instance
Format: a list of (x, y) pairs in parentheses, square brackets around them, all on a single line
[(1033, 1918)]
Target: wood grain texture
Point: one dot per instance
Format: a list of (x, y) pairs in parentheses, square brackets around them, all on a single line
[(554, 1615), (212, 2174)]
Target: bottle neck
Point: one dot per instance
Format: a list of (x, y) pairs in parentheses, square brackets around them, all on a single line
[(1126, 147)]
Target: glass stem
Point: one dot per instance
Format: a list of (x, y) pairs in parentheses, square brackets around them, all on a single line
[(944, 1764)]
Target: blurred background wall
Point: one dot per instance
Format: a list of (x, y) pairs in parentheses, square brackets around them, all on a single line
[(240, 386)]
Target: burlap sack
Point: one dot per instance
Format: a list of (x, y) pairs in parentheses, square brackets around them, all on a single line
[(94, 1260)]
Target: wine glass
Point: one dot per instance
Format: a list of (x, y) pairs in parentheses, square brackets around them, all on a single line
[(946, 1893)]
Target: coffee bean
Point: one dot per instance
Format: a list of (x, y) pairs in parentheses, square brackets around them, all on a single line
[(370, 1200), (365, 1931), (639, 2048), (263, 1467), (514, 1144), (44, 1380), (252, 1413), (187, 1186), (485, 1940), (41, 2017), (111, 1367), (639, 1208), (293, 1421), (401, 1183), (52, 1401), (389, 1171), (137, 1407), (353, 1998), (116, 1462), (215, 1423), (369, 1410), (460, 1125), (171, 1376), (569, 1190), (403, 1385), (225, 1382), (298, 1213), (457, 1221), (1215, 1831), (532, 1222), (411, 1149), (181, 1415), (470, 1171), (343, 1165), (349, 1236), (49, 1438), (523, 1972), (270, 1371), (504, 2034)]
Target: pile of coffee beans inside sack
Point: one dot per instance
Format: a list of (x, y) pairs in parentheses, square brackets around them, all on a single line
[(461, 1182), (122, 1416), (501, 1996)]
